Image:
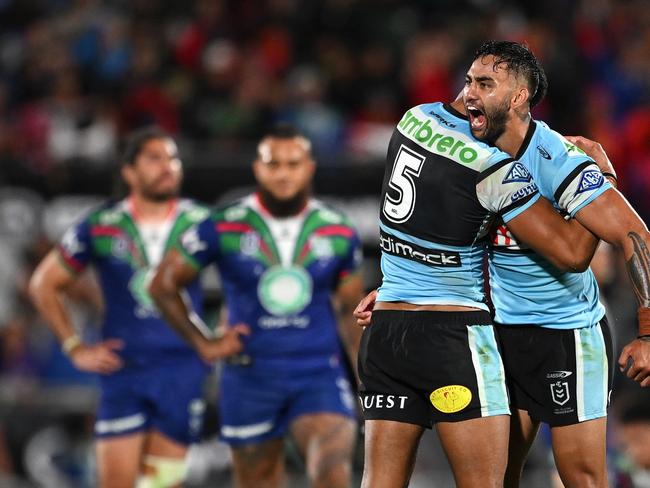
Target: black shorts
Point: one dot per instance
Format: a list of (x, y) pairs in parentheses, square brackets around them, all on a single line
[(427, 367), (560, 376)]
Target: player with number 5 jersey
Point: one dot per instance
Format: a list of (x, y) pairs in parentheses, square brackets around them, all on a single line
[(431, 356)]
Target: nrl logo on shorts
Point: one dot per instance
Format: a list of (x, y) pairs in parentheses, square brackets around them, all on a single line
[(560, 392)]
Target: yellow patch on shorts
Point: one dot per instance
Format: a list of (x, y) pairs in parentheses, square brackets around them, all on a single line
[(451, 398)]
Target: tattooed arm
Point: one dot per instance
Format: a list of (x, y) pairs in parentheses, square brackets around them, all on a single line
[(611, 218), (638, 267)]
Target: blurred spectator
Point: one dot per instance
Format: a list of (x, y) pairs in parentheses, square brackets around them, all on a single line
[(632, 436), (76, 75)]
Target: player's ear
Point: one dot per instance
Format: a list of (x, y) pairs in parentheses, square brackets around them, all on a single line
[(312, 166), (256, 166), (127, 174), (520, 97)]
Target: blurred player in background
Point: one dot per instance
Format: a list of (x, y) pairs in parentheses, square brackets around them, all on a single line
[(151, 404), (290, 268)]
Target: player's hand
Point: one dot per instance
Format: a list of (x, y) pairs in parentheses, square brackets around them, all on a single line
[(637, 355), (595, 151), (99, 358), (363, 312), (227, 343)]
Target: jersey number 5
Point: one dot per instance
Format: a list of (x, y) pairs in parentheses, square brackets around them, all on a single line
[(406, 168)]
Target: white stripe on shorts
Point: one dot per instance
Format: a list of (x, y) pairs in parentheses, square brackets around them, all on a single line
[(592, 367), (490, 373), (580, 372), (122, 424), (245, 431)]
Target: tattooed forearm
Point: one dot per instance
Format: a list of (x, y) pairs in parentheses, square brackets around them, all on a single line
[(638, 267)]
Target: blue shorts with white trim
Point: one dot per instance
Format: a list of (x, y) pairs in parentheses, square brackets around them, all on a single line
[(258, 403), (167, 398)]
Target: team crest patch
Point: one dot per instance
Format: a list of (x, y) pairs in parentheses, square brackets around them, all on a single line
[(285, 290), (517, 174), (120, 247), (321, 247), (451, 398), (590, 180), (250, 243), (560, 392)]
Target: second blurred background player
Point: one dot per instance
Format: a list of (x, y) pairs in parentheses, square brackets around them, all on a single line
[(151, 404), (284, 259)]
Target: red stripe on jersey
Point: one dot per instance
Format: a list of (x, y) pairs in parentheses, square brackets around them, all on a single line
[(303, 253), (70, 261), (233, 227), (106, 231), (334, 230)]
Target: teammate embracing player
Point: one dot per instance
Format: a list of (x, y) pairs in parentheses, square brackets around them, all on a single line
[(555, 344), (151, 403), (283, 258)]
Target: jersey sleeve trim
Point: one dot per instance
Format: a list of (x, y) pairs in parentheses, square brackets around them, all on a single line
[(606, 186), (514, 209), (454, 112), (567, 181), (73, 266), (493, 169)]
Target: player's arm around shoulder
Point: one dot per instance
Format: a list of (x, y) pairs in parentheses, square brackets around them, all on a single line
[(565, 243), (568, 244), (612, 218), (507, 188), (47, 286)]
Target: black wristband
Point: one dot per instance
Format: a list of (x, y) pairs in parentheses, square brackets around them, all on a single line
[(611, 175)]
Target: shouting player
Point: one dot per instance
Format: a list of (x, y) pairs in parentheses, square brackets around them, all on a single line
[(151, 385), (556, 342), (283, 258), (557, 351), (431, 355)]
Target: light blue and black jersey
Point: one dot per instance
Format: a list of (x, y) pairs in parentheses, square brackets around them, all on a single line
[(442, 189), (526, 288)]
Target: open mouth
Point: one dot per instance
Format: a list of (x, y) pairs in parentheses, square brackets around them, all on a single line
[(477, 118)]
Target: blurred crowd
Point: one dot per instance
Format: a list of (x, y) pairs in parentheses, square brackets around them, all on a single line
[(76, 75)]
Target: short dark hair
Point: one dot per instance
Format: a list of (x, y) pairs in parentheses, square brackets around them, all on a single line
[(520, 60), (284, 130), (137, 139)]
